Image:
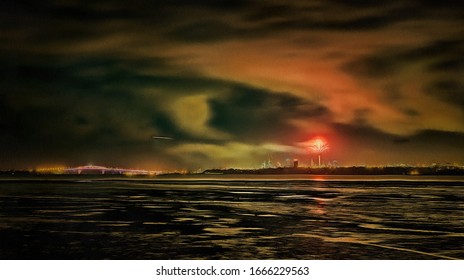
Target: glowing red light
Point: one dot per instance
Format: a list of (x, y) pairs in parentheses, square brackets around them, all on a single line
[(318, 146)]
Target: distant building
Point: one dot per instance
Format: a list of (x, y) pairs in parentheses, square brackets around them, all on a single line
[(295, 163), (268, 164)]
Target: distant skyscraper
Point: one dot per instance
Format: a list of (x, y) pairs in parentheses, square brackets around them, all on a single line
[(295, 163)]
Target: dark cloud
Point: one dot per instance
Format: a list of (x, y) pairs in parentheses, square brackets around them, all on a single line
[(436, 55), (451, 64), (264, 19), (356, 23), (401, 140), (451, 91), (345, 15), (443, 49), (76, 104), (373, 66), (257, 115), (440, 63), (376, 147), (361, 3), (270, 12), (206, 31), (361, 116)]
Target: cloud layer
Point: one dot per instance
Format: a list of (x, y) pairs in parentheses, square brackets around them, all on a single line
[(235, 83)]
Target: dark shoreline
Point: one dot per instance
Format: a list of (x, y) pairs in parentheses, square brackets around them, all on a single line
[(412, 171), (353, 170)]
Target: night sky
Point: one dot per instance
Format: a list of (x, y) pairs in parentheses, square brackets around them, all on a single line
[(234, 83)]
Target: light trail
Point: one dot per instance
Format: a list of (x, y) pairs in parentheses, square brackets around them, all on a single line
[(162, 138)]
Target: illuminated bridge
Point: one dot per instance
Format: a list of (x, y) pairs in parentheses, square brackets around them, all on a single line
[(94, 169)]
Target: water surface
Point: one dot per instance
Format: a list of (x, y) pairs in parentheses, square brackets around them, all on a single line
[(232, 217)]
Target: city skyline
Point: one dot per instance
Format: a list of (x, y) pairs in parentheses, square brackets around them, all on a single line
[(163, 85)]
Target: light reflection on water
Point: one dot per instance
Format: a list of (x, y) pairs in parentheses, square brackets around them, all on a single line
[(232, 219)]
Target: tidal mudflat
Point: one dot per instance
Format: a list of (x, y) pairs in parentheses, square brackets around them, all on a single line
[(232, 218)]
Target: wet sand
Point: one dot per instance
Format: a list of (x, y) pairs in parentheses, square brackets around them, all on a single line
[(233, 218)]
